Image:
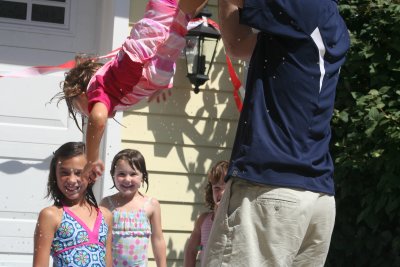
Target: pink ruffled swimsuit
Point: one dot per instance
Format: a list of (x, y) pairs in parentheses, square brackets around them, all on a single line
[(131, 236), (146, 62)]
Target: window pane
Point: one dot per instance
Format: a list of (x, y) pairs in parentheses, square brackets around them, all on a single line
[(13, 10), (51, 14)]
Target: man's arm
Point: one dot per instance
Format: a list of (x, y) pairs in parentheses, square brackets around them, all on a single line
[(239, 40)]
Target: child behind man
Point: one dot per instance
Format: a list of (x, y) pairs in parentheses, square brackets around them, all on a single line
[(213, 193)]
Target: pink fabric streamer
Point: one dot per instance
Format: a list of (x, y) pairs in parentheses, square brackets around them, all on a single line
[(40, 70)]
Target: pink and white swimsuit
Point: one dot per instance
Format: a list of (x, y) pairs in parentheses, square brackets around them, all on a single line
[(146, 62)]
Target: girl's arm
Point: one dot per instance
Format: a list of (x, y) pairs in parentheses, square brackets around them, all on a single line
[(157, 237), (43, 237), (194, 242), (94, 132), (239, 40), (108, 218)]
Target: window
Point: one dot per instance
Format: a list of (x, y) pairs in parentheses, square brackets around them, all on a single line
[(48, 13)]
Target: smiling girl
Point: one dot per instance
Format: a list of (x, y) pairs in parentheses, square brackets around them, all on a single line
[(136, 217), (74, 230)]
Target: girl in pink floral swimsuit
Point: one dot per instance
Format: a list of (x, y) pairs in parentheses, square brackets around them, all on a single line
[(143, 68), (136, 217)]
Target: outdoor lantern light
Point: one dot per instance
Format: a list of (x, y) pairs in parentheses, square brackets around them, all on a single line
[(201, 46)]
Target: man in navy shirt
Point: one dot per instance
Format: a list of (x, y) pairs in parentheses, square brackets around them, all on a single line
[(278, 208)]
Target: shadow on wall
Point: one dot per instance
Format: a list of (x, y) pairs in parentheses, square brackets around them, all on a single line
[(15, 166), (198, 128), (173, 257)]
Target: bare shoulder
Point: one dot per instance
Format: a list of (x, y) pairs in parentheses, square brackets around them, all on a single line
[(153, 201), (108, 202), (203, 216), (50, 216), (152, 206), (51, 212), (105, 203)]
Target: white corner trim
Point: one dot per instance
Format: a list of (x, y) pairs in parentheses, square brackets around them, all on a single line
[(116, 13)]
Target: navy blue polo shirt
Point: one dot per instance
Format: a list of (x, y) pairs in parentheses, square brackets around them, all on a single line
[(284, 130)]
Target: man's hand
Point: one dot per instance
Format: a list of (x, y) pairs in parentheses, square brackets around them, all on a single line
[(93, 170)]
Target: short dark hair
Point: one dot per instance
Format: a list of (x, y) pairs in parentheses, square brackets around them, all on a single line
[(135, 159)]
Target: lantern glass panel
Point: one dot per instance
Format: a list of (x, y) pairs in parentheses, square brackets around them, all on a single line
[(199, 54), (208, 48), (192, 52)]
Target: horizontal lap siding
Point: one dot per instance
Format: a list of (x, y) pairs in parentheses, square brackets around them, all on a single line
[(181, 138)]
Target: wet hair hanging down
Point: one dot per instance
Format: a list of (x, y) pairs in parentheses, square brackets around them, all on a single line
[(76, 82), (66, 151)]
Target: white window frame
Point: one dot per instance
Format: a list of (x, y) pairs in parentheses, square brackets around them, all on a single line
[(37, 26)]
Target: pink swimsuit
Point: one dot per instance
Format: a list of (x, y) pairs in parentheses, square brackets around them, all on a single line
[(146, 62), (131, 235), (75, 244), (205, 233)]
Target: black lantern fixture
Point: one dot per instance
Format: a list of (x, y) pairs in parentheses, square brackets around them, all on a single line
[(200, 50)]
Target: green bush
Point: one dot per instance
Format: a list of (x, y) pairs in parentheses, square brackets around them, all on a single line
[(366, 138)]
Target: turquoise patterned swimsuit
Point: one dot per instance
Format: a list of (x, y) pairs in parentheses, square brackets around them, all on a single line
[(131, 232), (74, 244)]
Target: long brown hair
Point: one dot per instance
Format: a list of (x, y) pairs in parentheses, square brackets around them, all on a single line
[(76, 82), (66, 151)]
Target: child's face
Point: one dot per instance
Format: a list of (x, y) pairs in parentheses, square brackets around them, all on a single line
[(127, 179), (80, 103), (218, 190), (69, 180)]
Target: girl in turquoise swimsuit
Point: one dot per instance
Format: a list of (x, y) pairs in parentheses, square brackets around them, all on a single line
[(136, 217), (74, 230)]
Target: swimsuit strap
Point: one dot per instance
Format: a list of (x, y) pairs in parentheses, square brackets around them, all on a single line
[(111, 203), (148, 201)]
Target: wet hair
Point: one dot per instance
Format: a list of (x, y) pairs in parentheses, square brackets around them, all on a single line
[(76, 82), (216, 174), (64, 152), (135, 159)]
